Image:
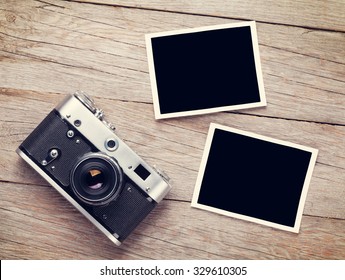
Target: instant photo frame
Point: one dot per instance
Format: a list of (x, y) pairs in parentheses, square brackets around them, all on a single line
[(253, 177), (204, 70)]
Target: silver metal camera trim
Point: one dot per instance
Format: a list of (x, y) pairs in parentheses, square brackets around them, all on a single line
[(68, 197), (97, 132)]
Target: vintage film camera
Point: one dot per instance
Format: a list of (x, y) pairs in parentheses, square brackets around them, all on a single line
[(76, 150)]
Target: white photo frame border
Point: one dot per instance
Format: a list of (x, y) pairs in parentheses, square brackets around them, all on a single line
[(154, 89), (305, 188)]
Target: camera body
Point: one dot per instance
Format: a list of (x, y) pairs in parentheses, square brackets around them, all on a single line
[(76, 150)]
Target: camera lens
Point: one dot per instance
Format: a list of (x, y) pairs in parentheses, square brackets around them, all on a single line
[(96, 179)]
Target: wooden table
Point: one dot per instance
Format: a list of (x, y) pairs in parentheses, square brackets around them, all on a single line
[(49, 48)]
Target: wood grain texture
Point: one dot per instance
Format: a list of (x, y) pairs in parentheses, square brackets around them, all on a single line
[(173, 230), (55, 45), (307, 13), (50, 48)]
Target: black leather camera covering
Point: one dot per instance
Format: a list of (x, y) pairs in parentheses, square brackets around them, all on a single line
[(121, 215), (51, 133)]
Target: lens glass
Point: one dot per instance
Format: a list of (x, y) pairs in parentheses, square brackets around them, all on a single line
[(96, 179)]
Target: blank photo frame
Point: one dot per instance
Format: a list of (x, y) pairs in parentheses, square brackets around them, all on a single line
[(254, 178), (205, 70)]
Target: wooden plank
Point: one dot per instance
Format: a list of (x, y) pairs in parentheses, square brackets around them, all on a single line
[(49, 48), (314, 14), (68, 46), (38, 223), (176, 145)]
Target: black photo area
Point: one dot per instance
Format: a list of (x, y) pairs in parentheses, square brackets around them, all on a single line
[(253, 177), (205, 69)]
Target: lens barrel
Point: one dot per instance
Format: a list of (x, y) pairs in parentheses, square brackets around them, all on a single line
[(96, 179)]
